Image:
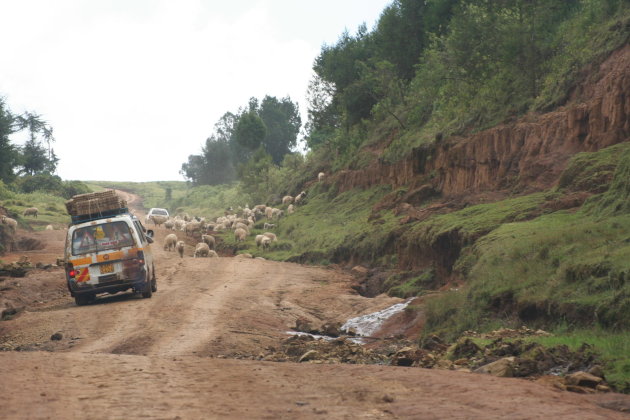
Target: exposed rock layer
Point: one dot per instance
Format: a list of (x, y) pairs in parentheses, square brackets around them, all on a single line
[(528, 155)]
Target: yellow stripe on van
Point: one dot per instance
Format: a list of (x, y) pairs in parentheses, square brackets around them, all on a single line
[(110, 256), (81, 261)]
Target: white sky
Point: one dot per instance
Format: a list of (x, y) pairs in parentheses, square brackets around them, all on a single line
[(132, 87)]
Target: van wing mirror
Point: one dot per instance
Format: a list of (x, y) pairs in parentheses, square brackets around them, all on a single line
[(149, 234)]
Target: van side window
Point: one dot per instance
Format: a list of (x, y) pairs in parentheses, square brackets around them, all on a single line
[(140, 231)]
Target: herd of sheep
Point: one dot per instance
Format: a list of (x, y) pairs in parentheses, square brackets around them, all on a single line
[(240, 223), (12, 224)]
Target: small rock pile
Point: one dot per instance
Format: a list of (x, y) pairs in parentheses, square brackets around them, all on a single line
[(16, 269), (508, 355), (305, 348), (577, 371)]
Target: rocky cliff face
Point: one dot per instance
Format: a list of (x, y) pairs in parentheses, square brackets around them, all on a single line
[(527, 155)]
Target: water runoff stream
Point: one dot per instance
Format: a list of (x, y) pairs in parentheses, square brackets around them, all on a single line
[(365, 325)]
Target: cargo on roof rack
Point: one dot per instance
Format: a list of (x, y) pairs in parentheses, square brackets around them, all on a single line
[(97, 205)]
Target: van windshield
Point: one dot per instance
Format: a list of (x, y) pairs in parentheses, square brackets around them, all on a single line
[(101, 238)]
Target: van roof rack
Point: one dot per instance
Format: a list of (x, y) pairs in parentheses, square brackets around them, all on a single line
[(99, 215)]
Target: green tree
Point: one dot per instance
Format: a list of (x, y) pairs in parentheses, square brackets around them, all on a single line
[(323, 119), (400, 36), (219, 167), (282, 121), (217, 161), (31, 158), (250, 131), (256, 175), (35, 159), (8, 152)]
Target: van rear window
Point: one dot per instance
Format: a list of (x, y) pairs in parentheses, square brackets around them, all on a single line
[(101, 237)]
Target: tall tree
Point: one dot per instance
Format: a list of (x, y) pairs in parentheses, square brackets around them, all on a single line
[(8, 152), (32, 158), (282, 120), (250, 131), (35, 159)]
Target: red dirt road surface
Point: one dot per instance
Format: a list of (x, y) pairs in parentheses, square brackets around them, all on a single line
[(178, 354)]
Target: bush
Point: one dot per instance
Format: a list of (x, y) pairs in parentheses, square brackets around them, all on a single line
[(51, 184)]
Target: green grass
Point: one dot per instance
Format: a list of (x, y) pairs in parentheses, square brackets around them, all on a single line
[(325, 231), (51, 208), (211, 201), (154, 194), (614, 349)]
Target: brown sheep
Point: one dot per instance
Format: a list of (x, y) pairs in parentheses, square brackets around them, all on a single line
[(170, 242), (180, 248), (240, 234), (202, 250), (209, 239), (31, 211)]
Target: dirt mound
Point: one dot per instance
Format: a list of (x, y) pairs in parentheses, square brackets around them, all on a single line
[(25, 243)]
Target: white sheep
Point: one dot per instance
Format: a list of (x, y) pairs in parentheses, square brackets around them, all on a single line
[(268, 226), (259, 239), (202, 250), (321, 176), (179, 224), (213, 254), (180, 248), (50, 227), (269, 213), (300, 197), (169, 224), (290, 209), (31, 211), (170, 242), (271, 236), (240, 234), (277, 213), (159, 220), (266, 242), (287, 199), (192, 227), (240, 225), (209, 239), (11, 223)]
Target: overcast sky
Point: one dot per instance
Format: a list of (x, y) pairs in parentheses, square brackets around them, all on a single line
[(132, 87)]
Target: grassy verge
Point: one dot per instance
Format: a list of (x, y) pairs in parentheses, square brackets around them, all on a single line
[(325, 230), (52, 210)]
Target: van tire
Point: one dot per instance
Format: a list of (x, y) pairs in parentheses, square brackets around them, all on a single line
[(148, 288), (82, 300), (153, 281)]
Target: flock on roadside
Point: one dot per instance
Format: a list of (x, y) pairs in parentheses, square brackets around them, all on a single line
[(240, 221)]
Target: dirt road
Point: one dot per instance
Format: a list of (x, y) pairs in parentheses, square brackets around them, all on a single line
[(179, 355)]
